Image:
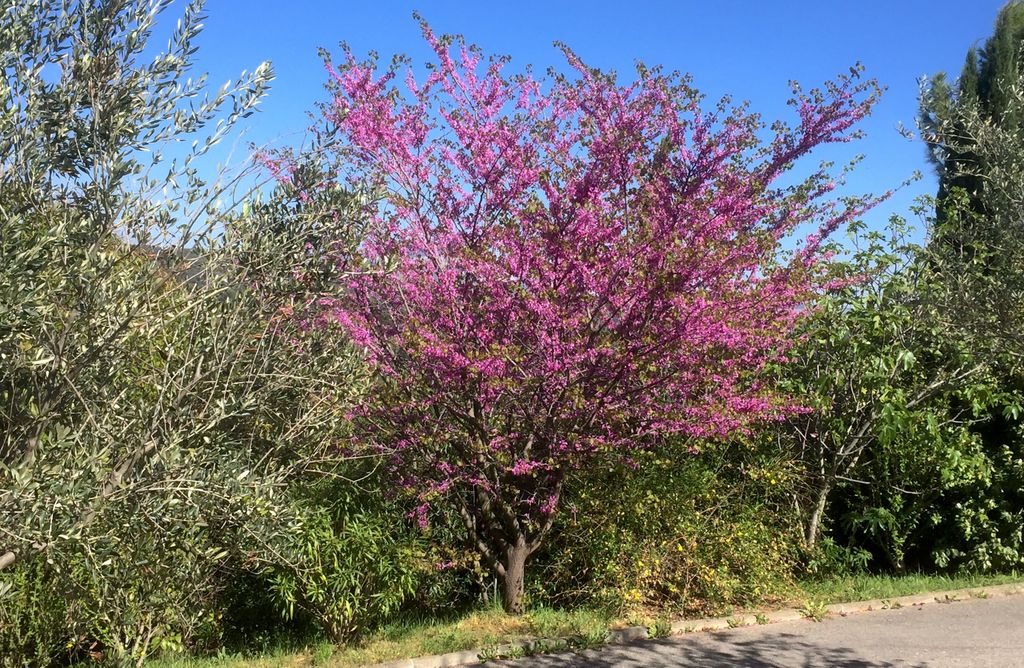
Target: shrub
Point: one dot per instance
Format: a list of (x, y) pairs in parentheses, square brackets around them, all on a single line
[(34, 616), (694, 534), (356, 565)]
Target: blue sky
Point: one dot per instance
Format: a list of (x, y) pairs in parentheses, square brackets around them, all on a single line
[(744, 48)]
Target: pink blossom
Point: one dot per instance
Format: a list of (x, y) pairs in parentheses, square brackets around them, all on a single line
[(571, 270)]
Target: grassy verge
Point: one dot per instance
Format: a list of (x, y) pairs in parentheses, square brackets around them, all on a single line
[(867, 587), (409, 637), (486, 629)]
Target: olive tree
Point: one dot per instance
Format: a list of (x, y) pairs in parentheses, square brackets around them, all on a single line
[(156, 397)]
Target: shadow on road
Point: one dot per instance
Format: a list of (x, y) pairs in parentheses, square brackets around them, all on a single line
[(713, 649)]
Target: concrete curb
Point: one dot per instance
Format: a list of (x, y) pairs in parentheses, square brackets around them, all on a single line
[(633, 633)]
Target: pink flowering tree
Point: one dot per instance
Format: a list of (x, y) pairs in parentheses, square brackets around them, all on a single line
[(567, 271)]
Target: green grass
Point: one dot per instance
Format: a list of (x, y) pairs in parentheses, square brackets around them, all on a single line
[(273, 659), (489, 628), (868, 587), (418, 636)]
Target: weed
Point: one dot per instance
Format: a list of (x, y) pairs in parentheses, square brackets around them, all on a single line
[(590, 638), (544, 645), (496, 653), (815, 609), (660, 628), (322, 653)]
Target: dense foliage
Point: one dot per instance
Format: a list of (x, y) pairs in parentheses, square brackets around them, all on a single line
[(155, 405), (570, 270), (973, 130), (479, 318)]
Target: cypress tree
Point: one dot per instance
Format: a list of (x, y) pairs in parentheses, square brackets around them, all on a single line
[(974, 129), (988, 75)]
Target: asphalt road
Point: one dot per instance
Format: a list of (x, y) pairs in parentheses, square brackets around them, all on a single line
[(976, 633)]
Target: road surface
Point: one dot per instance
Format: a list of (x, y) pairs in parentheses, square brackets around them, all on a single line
[(977, 633)]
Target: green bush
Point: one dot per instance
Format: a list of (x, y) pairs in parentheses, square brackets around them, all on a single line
[(977, 525), (694, 534), (34, 617), (943, 492), (355, 565)]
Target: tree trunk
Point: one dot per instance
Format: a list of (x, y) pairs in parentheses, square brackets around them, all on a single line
[(814, 524), (513, 579)]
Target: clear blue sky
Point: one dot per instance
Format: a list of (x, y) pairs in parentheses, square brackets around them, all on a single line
[(745, 48)]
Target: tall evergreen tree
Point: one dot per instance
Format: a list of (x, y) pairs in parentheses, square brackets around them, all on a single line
[(975, 134), (973, 129), (985, 88)]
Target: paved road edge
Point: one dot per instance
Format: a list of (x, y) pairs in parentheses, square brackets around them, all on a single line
[(633, 633)]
